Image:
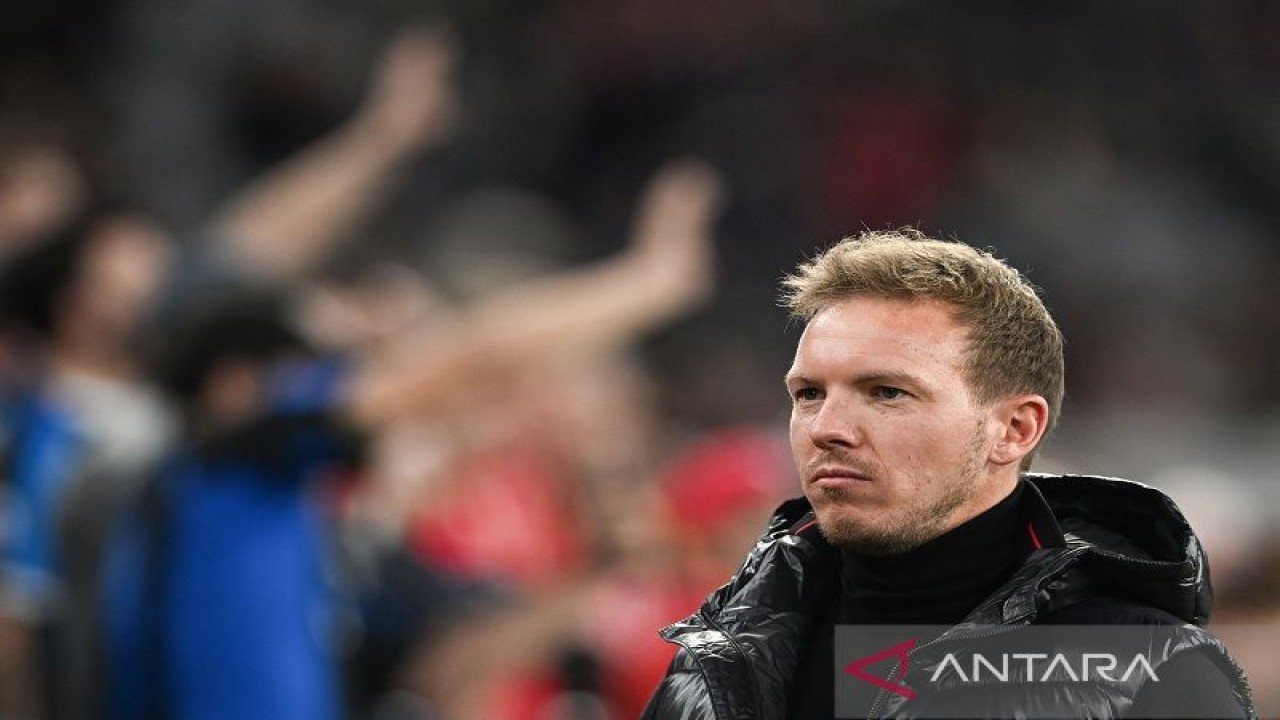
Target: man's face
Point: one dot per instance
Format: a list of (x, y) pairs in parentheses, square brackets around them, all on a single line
[(122, 272), (890, 447)]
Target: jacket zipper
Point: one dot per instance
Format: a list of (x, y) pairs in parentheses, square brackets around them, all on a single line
[(737, 646)]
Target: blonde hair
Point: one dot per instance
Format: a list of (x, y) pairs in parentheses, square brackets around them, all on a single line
[(1015, 346)]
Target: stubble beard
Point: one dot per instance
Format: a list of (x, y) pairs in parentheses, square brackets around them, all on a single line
[(913, 526)]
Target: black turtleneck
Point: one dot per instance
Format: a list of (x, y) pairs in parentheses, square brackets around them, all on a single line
[(937, 583)]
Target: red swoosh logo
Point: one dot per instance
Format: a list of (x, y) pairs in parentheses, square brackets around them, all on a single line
[(899, 651)]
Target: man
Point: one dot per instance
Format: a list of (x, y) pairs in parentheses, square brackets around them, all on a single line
[(80, 408), (926, 377), (217, 601)]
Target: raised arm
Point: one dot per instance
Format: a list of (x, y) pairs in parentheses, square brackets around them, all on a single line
[(286, 221), (666, 268)]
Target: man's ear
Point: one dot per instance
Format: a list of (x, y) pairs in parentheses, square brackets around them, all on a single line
[(1022, 420)]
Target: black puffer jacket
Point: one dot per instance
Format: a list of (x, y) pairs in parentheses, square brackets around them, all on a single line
[(1128, 555)]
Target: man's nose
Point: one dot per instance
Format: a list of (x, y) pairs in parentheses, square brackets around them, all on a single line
[(835, 424)]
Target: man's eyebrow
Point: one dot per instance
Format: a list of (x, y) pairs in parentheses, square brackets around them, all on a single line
[(790, 378), (873, 377), (890, 377)]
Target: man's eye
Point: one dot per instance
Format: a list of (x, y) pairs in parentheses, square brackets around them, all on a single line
[(807, 394), (885, 392)]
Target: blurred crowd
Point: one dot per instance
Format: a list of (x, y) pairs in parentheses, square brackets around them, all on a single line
[(421, 359)]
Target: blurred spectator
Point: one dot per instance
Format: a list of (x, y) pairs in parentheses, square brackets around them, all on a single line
[(218, 605), (86, 412), (719, 489), (91, 416), (683, 540), (41, 185)]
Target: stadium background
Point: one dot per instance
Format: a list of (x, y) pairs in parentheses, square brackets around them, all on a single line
[(1125, 156)]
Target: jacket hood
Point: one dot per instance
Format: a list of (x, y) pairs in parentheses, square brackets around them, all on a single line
[(1133, 542)]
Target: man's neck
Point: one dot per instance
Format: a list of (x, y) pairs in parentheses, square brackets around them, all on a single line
[(83, 354), (942, 580)]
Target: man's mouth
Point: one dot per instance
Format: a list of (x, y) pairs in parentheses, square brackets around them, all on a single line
[(838, 476)]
